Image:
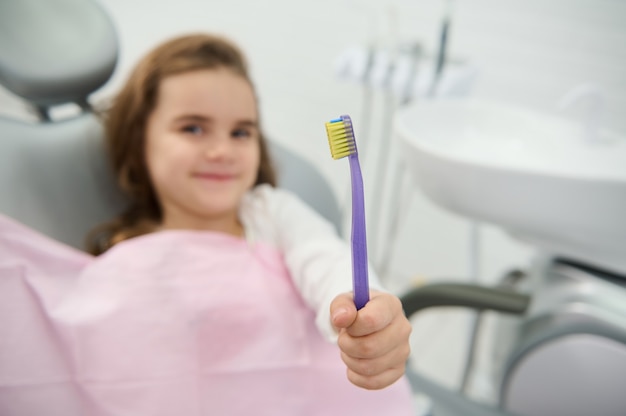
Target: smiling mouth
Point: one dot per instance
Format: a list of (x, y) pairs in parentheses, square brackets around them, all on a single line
[(219, 177)]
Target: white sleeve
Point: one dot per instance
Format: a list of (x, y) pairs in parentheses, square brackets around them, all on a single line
[(318, 259)]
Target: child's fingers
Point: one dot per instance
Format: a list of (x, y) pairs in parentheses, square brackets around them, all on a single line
[(374, 366), (342, 311), (376, 315), (377, 344), (377, 382)]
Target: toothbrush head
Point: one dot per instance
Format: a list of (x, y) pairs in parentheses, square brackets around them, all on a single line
[(341, 137)]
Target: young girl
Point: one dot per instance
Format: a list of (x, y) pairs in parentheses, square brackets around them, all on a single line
[(213, 292)]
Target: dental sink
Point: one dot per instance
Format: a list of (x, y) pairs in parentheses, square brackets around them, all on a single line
[(546, 180)]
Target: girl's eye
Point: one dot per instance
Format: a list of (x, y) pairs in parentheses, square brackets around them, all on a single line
[(193, 129), (241, 134)]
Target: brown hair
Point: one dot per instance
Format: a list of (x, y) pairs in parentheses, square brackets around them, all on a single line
[(125, 127)]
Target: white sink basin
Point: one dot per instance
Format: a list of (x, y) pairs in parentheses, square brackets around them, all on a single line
[(537, 176)]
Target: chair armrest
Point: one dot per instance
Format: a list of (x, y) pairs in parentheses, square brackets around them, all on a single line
[(465, 295)]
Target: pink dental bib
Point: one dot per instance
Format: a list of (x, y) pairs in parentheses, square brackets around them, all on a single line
[(172, 323)]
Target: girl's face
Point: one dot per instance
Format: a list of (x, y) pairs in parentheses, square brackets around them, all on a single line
[(202, 148)]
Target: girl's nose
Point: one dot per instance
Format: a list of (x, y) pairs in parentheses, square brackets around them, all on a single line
[(218, 148)]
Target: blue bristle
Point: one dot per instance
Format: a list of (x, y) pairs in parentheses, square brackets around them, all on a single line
[(336, 120)]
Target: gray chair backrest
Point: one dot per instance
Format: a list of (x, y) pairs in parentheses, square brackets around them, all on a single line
[(54, 176)]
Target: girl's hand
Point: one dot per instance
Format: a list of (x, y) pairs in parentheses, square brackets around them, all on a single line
[(374, 341)]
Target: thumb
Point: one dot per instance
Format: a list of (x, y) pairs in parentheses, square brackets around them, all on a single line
[(343, 311)]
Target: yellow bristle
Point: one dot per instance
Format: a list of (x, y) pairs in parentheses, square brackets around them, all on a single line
[(340, 140)]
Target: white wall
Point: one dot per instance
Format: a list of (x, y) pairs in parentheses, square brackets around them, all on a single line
[(528, 51)]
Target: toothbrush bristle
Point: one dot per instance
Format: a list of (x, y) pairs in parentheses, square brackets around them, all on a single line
[(341, 137)]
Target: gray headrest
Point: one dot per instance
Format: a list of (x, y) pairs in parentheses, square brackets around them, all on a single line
[(55, 51)]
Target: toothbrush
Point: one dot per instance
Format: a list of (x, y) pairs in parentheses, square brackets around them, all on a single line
[(342, 143)]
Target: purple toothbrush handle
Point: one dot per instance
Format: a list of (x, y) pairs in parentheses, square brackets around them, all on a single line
[(359, 242)]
